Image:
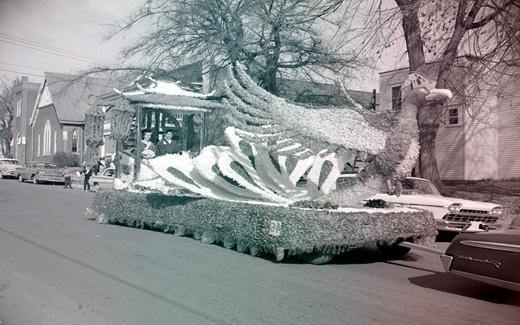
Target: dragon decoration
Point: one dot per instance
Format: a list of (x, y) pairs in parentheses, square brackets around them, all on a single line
[(281, 153)]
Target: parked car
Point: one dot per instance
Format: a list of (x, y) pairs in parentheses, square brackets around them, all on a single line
[(451, 214), (8, 167), (104, 180), (490, 257), (41, 172)]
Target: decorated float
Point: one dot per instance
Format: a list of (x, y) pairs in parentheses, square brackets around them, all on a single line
[(273, 189)]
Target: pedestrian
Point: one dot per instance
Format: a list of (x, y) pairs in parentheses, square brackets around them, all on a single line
[(167, 145), (87, 172), (67, 177)]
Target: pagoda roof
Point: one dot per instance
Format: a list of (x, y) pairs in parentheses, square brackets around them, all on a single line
[(150, 93), (182, 103)]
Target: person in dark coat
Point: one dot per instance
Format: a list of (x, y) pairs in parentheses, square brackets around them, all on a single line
[(167, 145), (87, 172)]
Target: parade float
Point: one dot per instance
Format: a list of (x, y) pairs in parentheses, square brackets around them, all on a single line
[(273, 189)]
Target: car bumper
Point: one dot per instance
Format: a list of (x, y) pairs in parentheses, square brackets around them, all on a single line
[(489, 257), (10, 173), (103, 185), (465, 226), (50, 179)]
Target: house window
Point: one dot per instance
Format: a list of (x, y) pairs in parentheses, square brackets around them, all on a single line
[(453, 116), (55, 142), (107, 127), (18, 107), (39, 147), (65, 137), (47, 138), (74, 140), (396, 98), (17, 142)]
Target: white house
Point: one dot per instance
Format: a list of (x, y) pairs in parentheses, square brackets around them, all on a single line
[(478, 138)]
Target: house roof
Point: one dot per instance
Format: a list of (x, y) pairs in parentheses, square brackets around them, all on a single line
[(72, 96), (303, 91)]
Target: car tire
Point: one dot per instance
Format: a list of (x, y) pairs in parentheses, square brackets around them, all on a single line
[(34, 180), (95, 188), (393, 250), (317, 258), (20, 178)]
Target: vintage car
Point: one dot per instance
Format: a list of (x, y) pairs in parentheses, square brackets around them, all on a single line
[(451, 214), (8, 167), (104, 180), (40, 172), (491, 257)]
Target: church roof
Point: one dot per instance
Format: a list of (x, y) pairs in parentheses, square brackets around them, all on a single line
[(72, 96)]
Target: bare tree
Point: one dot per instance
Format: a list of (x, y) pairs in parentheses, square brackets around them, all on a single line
[(7, 111), (485, 32), (270, 37)]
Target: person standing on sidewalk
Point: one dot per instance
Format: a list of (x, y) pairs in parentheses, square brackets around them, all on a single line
[(87, 172), (67, 177)]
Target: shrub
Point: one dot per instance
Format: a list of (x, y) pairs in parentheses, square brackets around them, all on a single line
[(62, 159), (249, 226)]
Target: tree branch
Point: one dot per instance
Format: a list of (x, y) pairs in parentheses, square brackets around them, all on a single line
[(484, 21)]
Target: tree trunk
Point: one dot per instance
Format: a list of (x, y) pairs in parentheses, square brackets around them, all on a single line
[(428, 118), (412, 33), (118, 163), (272, 60), (6, 148)]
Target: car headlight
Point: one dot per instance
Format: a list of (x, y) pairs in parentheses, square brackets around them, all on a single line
[(497, 210), (41, 173), (454, 207)]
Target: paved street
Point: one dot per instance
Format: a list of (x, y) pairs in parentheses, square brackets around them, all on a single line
[(57, 267)]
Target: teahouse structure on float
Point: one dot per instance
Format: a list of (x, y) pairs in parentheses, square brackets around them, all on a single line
[(158, 106)]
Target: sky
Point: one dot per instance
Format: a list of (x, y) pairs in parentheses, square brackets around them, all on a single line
[(59, 35), (68, 36)]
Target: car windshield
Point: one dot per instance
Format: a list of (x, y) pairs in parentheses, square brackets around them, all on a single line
[(422, 186), (6, 162)]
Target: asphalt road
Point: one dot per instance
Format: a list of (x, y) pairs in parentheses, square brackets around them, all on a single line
[(57, 267)]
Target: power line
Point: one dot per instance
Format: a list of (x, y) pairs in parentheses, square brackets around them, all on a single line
[(22, 72), (50, 47), (23, 66), (49, 50), (90, 80)]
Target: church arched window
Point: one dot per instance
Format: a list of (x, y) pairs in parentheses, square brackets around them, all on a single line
[(74, 140), (47, 138)]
